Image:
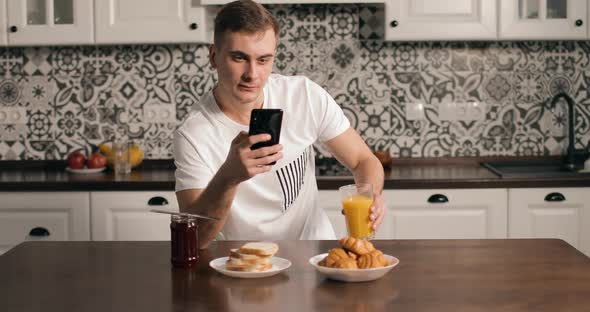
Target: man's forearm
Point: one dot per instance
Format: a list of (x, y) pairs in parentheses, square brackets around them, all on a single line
[(215, 201), (369, 170)]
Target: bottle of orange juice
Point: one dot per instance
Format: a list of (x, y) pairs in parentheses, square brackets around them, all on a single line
[(356, 202)]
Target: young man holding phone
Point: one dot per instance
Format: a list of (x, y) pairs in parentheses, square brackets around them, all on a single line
[(218, 173)]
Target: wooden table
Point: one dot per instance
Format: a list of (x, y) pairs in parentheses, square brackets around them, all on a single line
[(433, 275)]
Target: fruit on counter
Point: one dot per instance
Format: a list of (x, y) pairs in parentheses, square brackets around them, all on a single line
[(96, 160), (135, 151), (76, 160)]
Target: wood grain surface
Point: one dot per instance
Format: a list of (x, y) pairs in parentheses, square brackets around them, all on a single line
[(433, 275)]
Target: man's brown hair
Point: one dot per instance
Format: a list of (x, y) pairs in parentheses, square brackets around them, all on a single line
[(243, 16)]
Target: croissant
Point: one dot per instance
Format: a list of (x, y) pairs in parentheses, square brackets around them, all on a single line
[(334, 255), (347, 263), (358, 246), (373, 259)]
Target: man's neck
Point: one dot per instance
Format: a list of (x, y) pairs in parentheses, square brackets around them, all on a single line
[(238, 112)]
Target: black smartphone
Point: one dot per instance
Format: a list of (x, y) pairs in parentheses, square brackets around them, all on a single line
[(266, 120)]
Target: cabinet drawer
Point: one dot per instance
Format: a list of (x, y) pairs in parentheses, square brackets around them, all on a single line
[(125, 216), (43, 216), (445, 214)]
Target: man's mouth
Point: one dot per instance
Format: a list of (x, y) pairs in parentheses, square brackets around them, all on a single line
[(241, 86)]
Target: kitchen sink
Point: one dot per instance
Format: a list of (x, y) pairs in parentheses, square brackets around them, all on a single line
[(530, 168)]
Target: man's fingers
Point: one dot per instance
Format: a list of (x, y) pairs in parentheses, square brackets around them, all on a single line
[(265, 151), (262, 161), (257, 138)]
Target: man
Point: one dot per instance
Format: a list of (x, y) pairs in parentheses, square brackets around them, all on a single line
[(220, 176)]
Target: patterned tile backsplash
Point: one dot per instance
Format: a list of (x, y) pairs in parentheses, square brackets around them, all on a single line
[(54, 100)]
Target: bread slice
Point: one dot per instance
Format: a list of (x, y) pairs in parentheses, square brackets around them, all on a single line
[(247, 261), (259, 248), (248, 268)]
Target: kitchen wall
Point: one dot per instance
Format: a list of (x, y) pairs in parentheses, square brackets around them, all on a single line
[(74, 96)]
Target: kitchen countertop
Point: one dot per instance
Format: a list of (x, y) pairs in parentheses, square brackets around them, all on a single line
[(440, 173), (433, 275)]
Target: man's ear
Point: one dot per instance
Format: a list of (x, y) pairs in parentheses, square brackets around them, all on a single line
[(212, 56)]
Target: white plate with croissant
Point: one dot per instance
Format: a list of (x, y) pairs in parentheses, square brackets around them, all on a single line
[(354, 261)]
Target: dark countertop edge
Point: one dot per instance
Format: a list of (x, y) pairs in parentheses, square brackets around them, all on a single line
[(323, 184)]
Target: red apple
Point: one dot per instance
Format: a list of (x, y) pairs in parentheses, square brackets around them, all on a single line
[(96, 160), (76, 160)]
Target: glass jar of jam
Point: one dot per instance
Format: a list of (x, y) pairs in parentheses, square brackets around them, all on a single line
[(184, 241)]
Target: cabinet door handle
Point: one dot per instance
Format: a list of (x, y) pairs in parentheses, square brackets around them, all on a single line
[(157, 201), (39, 232), (554, 197), (193, 26), (13, 29), (393, 23), (579, 22), (438, 199)]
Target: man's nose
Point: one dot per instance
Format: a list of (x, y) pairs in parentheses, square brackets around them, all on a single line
[(251, 71)]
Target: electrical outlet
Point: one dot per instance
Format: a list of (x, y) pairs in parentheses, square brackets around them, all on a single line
[(414, 111), (447, 111), (159, 113), (13, 116)]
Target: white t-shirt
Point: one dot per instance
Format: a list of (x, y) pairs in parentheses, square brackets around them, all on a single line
[(279, 204)]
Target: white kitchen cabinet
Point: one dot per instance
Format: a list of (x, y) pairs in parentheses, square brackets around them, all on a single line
[(543, 19), (445, 214), (411, 20), (125, 216), (3, 25), (51, 216), (49, 22), (467, 213), (562, 213), (152, 21)]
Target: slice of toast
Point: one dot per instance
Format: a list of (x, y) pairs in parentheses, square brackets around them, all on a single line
[(249, 261), (248, 268), (259, 248)]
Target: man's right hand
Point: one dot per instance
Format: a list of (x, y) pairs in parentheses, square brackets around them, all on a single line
[(242, 163)]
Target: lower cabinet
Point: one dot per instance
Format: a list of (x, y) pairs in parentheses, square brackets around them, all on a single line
[(125, 216), (433, 214), (51, 216), (562, 213)]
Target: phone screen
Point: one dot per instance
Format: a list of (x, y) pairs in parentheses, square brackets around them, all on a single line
[(266, 120)]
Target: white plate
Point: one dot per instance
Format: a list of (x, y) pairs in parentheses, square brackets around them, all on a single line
[(85, 170), (278, 265), (353, 275)]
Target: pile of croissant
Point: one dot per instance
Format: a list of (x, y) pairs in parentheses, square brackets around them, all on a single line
[(354, 254)]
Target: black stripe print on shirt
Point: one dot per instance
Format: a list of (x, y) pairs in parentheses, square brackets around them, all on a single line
[(291, 179)]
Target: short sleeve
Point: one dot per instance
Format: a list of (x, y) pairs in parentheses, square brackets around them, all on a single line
[(191, 171), (328, 116)]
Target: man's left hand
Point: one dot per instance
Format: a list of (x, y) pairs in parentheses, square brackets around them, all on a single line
[(377, 211)]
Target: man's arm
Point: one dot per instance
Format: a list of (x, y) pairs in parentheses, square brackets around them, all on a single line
[(215, 200), (350, 149)]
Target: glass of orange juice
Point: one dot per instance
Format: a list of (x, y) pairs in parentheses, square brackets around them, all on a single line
[(356, 202)]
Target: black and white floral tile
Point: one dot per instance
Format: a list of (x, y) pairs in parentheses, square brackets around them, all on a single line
[(77, 96)]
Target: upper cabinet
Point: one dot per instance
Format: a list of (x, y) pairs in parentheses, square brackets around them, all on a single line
[(151, 21), (45, 22), (543, 19), (3, 32), (440, 20)]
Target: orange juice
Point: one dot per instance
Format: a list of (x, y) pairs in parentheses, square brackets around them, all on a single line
[(356, 210)]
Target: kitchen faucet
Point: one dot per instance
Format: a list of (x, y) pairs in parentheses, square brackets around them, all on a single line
[(570, 158)]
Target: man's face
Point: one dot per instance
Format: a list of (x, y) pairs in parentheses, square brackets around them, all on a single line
[(244, 62)]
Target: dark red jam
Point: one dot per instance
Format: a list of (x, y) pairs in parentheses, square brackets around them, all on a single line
[(184, 241)]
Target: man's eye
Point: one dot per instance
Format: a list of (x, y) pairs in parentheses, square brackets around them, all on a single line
[(263, 61), (238, 58)]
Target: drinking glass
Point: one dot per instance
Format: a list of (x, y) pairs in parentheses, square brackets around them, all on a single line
[(356, 202), (121, 157)]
